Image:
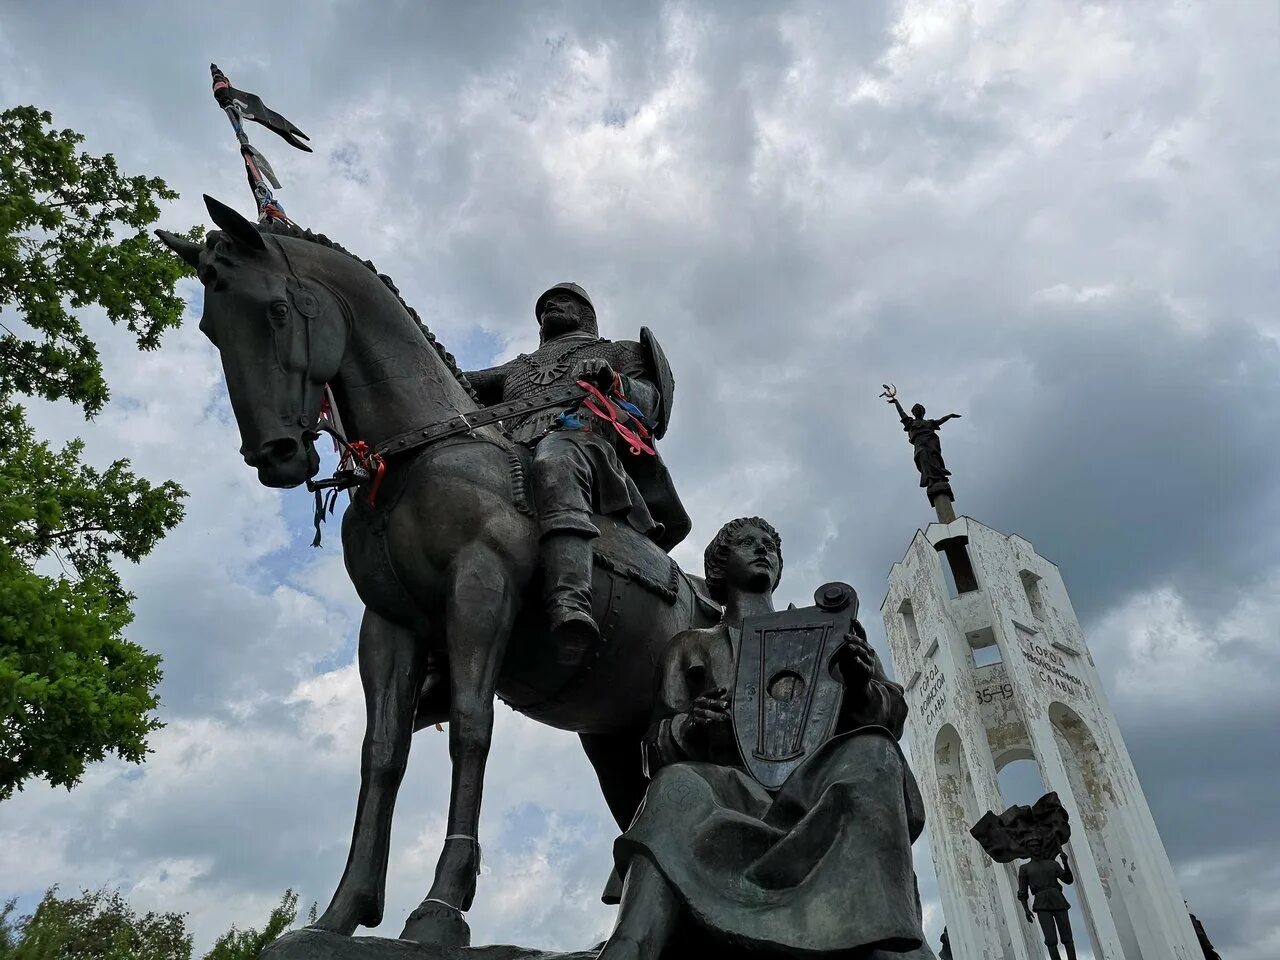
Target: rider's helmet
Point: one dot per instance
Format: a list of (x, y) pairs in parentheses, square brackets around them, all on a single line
[(573, 288)]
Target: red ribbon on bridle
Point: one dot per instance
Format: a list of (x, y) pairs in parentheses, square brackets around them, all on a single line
[(358, 452)]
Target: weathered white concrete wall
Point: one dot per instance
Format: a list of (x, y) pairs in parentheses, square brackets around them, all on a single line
[(1043, 700)]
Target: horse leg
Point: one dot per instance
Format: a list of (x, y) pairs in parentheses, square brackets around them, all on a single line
[(479, 611), (391, 667), (616, 758)]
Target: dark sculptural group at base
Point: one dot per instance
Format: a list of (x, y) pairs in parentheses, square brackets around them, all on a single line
[(764, 803), (523, 554), (321, 945), (504, 546)]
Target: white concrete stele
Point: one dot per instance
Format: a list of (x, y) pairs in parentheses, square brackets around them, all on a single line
[(1041, 699)]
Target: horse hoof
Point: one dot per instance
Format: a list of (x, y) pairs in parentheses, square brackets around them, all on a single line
[(344, 915), (437, 924)]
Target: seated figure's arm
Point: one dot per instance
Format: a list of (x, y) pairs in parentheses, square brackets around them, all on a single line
[(880, 704), (877, 701), (488, 384), (667, 742), (670, 739)]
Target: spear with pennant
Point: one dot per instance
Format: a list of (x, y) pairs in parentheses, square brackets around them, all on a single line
[(239, 106)]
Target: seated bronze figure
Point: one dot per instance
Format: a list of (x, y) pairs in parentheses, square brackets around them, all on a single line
[(785, 826)]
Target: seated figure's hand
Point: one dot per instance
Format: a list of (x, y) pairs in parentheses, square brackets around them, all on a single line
[(857, 662), (594, 370), (707, 710), (710, 707)]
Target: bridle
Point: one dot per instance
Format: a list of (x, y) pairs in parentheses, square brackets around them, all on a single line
[(358, 465), (306, 305)]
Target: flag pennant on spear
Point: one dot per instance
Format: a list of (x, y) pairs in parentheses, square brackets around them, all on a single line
[(239, 105)]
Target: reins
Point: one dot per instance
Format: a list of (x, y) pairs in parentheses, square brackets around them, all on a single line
[(361, 464), (356, 467)]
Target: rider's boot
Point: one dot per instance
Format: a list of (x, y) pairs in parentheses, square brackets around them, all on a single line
[(566, 558)]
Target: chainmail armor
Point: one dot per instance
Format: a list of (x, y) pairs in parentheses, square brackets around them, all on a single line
[(554, 363)]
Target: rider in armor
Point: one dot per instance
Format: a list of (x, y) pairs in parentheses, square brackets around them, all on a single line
[(580, 464)]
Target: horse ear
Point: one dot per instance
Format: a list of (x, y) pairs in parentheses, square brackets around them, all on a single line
[(234, 225), (184, 248)]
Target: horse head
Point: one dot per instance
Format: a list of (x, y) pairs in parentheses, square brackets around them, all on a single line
[(281, 334)]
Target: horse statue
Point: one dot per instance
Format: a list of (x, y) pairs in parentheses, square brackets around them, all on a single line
[(444, 558)]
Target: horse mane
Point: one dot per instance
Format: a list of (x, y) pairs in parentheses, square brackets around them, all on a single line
[(281, 229)]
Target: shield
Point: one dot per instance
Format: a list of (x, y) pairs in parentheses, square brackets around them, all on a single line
[(656, 360), (785, 698)]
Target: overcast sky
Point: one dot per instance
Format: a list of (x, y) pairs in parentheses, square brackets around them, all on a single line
[(1058, 219)]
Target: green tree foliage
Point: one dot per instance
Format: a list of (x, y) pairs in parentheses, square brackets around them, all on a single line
[(102, 926), (61, 215), (92, 926), (72, 235), (247, 944)]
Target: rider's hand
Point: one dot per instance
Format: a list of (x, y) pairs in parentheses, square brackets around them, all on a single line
[(710, 707), (594, 370)]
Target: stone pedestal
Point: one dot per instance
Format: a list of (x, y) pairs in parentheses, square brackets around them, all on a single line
[(943, 501), (318, 945)]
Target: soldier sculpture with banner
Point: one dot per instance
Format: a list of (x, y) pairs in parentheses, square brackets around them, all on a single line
[(781, 812), (1037, 834)]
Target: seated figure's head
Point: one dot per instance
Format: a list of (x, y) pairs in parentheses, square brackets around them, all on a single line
[(746, 554)]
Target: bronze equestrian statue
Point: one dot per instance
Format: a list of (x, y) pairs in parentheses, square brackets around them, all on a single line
[(443, 544)]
